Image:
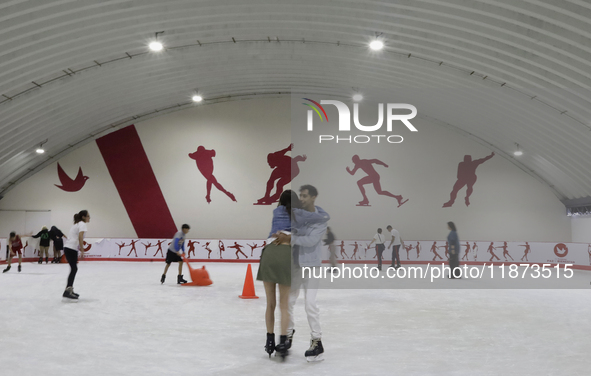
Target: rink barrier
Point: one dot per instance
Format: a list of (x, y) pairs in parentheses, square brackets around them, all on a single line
[(198, 250)]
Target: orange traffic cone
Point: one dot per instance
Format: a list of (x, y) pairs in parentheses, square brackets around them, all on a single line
[(248, 291), (200, 277)]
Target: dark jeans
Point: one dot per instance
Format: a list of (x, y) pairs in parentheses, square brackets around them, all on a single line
[(380, 249), (395, 255), (454, 262), (72, 257)]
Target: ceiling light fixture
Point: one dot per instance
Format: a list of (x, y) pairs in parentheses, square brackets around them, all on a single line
[(518, 152), (40, 149), (377, 43), (197, 98), (156, 45), (357, 97)]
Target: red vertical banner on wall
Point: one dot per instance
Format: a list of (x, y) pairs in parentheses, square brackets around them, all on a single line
[(136, 183)]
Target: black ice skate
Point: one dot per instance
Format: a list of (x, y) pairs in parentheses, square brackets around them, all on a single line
[(19, 268), (7, 269), (281, 348), (270, 345), (40, 260), (289, 339), (316, 352), (47, 260), (180, 280), (163, 278), (69, 294)]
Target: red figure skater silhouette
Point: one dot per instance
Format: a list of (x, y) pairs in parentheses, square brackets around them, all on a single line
[(159, 244), (490, 250), (466, 177), (238, 248), (285, 169), (475, 250), (221, 247), (418, 249), (343, 250), (408, 248), (191, 245), (589, 252), (505, 251), (204, 160), (434, 250), (446, 247), (354, 256), (254, 246), (149, 245), (206, 247), (366, 165), (132, 244), (120, 246), (367, 246), (467, 251), (528, 250), (25, 247)]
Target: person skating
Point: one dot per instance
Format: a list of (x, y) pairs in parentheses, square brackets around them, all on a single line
[(175, 250), (74, 243), (56, 235), (43, 244), (15, 246)]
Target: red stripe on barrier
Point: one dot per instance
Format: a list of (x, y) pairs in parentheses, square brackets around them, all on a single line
[(136, 183)]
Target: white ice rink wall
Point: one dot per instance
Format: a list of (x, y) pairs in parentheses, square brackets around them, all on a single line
[(507, 204)]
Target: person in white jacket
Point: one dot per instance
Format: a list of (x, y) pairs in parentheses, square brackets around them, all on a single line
[(306, 241)]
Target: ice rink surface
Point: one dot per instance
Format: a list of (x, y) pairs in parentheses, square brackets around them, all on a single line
[(127, 323)]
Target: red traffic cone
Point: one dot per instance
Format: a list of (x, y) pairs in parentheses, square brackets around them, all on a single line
[(248, 291)]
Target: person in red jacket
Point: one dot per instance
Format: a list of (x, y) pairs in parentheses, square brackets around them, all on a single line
[(14, 246)]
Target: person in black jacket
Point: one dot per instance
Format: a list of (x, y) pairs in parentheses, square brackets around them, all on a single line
[(43, 244), (57, 236)]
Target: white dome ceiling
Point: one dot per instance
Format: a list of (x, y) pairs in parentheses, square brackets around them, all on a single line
[(511, 71)]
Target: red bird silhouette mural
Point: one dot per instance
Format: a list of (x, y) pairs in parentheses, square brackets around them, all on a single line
[(68, 184)]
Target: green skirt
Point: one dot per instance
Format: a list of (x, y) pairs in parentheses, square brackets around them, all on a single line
[(275, 265)]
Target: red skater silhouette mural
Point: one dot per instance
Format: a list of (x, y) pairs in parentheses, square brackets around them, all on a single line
[(204, 160), (446, 247), (492, 253), (433, 249), (221, 247), (149, 245), (206, 247), (354, 255), (466, 177), (238, 249), (254, 246), (285, 169), (366, 165), (132, 244), (159, 244), (25, 247), (475, 250), (367, 246), (408, 249), (191, 245), (589, 251), (418, 249), (525, 251), (342, 246), (120, 246), (467, 252), (68, 184), (505, 251)]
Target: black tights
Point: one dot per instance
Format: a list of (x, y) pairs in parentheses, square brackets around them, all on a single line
[(72, 257)]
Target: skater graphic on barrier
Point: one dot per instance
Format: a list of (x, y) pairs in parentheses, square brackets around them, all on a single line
[(446, 247), (159, 244), (589, 251), (367, 247), (366, 165), (408, 249), (132, 244), (285, 169), (467, 251), (466, 177), (475, 250), (505, 251), (149, 245), (209, 250), (525, 251), (254, 246), (343, 250), (238, 248), (204, 160), (418, 248), (354, 256), (191, 244), (25, 247), (221, 247), (490, 250), (434, 250), (120, 246)]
